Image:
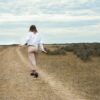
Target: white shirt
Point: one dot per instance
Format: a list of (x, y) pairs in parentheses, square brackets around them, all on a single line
[(34, 39)]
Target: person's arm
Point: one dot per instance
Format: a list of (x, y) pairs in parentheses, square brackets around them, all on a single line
[(42, 46), (25, 40)]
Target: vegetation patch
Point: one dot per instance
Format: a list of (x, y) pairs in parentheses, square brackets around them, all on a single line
[(82, 50)]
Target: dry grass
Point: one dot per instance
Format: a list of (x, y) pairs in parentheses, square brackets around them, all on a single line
[(62, 77)]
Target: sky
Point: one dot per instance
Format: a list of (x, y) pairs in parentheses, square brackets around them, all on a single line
[(58, 21)]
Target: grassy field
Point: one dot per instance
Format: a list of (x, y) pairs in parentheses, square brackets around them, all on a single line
[(61, 77)]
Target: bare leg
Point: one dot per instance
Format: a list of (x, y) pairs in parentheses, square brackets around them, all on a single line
[(32, 60), (32, 57), (36, 56)]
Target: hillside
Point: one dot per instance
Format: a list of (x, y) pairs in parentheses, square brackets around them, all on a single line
[(61, 77)]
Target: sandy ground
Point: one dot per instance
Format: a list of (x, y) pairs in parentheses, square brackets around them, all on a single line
[(60, 77)]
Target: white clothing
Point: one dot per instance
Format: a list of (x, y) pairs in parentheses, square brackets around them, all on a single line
[(34, 39)]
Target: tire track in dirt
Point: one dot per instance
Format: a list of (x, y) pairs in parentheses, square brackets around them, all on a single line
[(63, 92)]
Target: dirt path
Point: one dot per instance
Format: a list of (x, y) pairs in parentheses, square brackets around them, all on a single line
[(16, 82), (57, 86), (80, 81)]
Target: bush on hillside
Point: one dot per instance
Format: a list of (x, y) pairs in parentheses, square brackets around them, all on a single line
[(97, 52), (56, 52), (84, 54), (83, 50)]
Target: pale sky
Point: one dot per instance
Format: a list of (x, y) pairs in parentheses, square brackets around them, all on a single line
[(58, 21)]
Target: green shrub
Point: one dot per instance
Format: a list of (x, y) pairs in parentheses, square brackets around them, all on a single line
[(97, 52), (84, 54)]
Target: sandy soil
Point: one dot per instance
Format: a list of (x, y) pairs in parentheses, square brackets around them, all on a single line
[(60, 77)]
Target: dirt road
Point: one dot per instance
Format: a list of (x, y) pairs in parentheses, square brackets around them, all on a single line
[(17, 84)]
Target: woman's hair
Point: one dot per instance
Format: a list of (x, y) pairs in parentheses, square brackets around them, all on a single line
[(33, 29)]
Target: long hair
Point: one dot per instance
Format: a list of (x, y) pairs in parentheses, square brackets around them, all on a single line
[(33, 29)]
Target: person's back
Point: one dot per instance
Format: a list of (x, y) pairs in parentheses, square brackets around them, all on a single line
[(34, 42), (33, 39)]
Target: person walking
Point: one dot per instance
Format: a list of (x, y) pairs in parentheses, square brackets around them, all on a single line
[(35, 44)]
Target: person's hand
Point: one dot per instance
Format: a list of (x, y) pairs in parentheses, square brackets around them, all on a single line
[(44, 51)]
